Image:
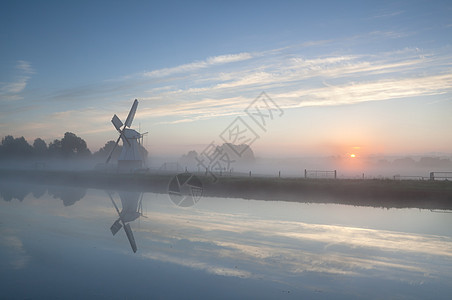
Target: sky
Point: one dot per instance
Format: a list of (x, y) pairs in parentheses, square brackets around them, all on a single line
[(336, 77)]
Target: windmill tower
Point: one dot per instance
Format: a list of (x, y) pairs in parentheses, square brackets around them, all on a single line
[(131, 157)]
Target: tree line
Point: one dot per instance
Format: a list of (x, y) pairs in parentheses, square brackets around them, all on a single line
[(69, 147)]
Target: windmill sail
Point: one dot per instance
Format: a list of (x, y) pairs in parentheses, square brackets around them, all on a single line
[(131, 113), (130, 237), (117, 122), (116, 227)]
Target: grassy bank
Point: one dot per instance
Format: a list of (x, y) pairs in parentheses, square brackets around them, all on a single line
[(369, 192)]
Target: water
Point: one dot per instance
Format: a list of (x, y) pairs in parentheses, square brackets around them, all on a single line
[(56, 242)]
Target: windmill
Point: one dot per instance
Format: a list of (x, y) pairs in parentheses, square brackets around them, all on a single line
[(130, 157), (131, 210)]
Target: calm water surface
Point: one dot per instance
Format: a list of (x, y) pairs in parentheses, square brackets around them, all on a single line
[(58, 242)]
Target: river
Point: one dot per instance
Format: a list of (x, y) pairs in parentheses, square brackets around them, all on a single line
[(72, 243)]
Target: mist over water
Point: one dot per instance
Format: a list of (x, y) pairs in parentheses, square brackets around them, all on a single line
[(58, 241)]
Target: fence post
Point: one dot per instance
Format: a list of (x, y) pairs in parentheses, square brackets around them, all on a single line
[(305, 173), (432, 175), (335, 174)]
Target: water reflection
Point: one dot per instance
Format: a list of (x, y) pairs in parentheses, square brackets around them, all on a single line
[(131, 210), (10, 190), (16, 190), (69, 195), (131, 202), (265, 249)]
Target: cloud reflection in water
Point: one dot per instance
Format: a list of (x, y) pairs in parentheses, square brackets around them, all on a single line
[(282, 249), (290, 245)]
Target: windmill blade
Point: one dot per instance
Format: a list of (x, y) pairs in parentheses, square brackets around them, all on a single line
[(117, 123), (116, 227), (114, 204), (129, 234), (131, 115), (113, 150)]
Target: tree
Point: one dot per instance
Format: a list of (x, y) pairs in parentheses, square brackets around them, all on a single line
[(15, 147), (39, 147), (55, 148), (242, 153), (404, 162), (72, 145), (106, 150)]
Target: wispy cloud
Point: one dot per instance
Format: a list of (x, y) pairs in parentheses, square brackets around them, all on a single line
[(296, 81), (387, 14), (11, 90), (356, 92), (224, 85), (25, 67), (197, 65)]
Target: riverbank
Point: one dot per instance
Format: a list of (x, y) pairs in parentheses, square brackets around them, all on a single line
[(385, 193)]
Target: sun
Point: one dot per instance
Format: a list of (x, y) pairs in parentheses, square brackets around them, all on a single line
[(352, 155)]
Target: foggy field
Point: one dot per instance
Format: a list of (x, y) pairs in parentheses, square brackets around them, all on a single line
[(361, 192)]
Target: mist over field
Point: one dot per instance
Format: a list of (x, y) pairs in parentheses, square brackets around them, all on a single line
[(72, 153)]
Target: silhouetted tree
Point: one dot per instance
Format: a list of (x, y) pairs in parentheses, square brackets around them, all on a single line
[(105, 150), (69, 146), (434, 162), (39, 147), (72, 145), (15, 147), (404, 162), (239, 153), (225, 155), (55, 148)]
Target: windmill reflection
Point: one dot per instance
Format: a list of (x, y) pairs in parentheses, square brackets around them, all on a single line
[(131, 209)]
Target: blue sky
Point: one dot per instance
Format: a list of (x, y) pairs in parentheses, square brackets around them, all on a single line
[(362, 76)]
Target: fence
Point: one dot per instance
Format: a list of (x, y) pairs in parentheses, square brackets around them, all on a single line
[(320, 174), (403, 177), (440, 175)]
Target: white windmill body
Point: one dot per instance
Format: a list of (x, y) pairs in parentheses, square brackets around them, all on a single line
[(131, 157)]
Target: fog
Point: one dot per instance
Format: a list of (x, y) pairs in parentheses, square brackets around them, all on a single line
[(392, 167), (403, 167)]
